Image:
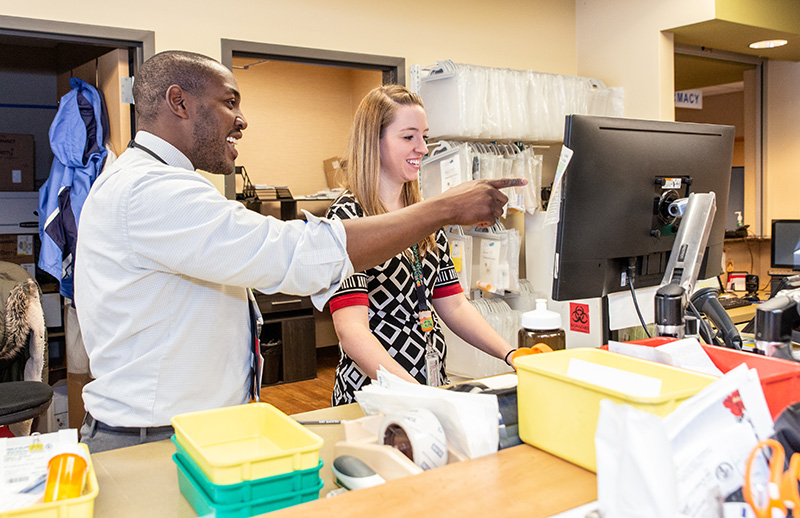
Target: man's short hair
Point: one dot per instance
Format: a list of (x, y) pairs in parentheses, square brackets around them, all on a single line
[(188, 70)]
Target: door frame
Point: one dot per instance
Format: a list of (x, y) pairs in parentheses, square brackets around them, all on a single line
[(140, 43)]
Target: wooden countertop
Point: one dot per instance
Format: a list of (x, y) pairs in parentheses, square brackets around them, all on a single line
[(519, 481)]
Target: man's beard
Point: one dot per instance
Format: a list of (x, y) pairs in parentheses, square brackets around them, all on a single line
[(211, 153)]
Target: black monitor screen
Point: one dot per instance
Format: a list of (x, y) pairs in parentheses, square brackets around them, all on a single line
[(785, 244), (623, 175)]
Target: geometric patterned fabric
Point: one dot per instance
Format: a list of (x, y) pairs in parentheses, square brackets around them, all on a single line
[(393, 309)]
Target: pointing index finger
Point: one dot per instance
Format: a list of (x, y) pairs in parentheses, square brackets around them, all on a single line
[(508, 182)]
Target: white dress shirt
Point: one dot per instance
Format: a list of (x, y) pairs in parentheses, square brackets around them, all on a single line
[(162, 265)]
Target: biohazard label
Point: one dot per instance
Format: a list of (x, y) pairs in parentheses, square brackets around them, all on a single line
[(579, 317)]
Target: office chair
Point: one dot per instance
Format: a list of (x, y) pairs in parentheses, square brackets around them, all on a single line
[(23, 400), (24, 391)]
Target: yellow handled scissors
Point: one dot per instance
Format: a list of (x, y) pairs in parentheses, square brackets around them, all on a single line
[(780, 492)]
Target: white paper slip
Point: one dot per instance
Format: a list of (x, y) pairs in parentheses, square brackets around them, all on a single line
[(614, 379), (643, 352), (501, 381), (688, 354), (553, 213)]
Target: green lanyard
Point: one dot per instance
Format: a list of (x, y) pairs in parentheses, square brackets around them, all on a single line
[(425, 315)]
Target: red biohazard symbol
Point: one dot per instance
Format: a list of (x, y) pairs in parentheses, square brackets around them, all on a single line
[(579, 317), (735, 404)]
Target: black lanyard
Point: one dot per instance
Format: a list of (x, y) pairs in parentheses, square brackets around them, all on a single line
[(419, 280), (425, 316), (135, 144)]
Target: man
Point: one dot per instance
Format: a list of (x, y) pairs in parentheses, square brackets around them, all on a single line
[(164, 261)]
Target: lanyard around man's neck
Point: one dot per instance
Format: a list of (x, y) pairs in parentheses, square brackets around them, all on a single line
[(149, 151)]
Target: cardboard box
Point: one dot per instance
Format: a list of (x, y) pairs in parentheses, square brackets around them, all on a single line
[(333, 172), (16, 162), (17, 249), (75, 384)]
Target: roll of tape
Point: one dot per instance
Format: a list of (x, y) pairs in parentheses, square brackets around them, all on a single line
[(418, 434)]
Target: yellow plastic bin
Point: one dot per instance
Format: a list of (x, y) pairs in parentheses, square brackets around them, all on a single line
[(558, 413), (79, 507), (246, 442)]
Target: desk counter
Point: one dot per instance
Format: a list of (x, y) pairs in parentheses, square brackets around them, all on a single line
[(519, 481)]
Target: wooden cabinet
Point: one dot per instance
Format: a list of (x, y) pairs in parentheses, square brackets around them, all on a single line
[(288, 338)]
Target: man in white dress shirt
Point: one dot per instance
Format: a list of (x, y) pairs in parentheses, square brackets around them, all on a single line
[(164, 261)]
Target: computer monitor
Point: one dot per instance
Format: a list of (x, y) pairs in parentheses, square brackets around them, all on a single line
[(615, 195), (785, 251)]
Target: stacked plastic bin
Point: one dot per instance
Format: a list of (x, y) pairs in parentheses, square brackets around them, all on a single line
[(245, 460)]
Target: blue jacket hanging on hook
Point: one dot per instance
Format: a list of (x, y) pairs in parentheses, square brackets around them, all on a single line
[(77, 137)]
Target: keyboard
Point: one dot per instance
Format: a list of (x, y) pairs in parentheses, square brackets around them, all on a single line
[(734, 302)]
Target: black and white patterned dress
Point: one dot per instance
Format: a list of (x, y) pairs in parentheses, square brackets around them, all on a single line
[(390, 293)]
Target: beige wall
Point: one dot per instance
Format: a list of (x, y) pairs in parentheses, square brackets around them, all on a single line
[(538, 34), (298, 115), (781, 181), (620, 42)]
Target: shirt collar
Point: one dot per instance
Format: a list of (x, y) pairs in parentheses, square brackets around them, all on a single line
[(169, 153)]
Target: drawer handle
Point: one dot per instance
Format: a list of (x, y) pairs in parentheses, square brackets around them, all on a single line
[(281, 302)]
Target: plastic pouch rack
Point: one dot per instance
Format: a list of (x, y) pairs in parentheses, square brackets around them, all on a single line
[(467, 361), (469, 101), (452, 163)]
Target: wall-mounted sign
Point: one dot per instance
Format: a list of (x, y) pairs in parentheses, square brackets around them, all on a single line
[(692, 99)]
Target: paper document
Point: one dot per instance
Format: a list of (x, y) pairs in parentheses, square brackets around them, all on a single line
[(554, 204), (690, 463), (611, 378), (23, 466), (451, 172), (686, 353)]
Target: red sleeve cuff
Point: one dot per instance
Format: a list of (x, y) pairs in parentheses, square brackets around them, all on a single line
[(446, 291), (351, 299)]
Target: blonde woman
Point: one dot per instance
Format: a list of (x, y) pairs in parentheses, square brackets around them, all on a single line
[(389, 315)]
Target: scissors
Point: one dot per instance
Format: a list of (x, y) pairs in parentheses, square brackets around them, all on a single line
[(781, 489)]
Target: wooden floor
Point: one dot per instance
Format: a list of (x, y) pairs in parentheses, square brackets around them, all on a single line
[(304, 396)]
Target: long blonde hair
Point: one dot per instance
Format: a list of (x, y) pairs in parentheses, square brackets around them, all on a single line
[(361, 161)]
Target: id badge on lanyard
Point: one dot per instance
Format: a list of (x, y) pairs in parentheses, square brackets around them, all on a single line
[(432, 362)]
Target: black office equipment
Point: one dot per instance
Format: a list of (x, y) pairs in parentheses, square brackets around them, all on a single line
[(734, 302), (615, 195), (785, 250)]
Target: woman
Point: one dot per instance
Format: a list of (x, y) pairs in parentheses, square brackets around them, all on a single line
[(383, 316)]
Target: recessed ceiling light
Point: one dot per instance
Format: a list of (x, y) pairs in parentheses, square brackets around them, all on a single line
[(768, 44)]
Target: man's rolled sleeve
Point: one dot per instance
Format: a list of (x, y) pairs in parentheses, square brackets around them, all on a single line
[(323, 248)]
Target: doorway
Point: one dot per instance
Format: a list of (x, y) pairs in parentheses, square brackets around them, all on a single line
[(299, 103), (732, 86), (39, 57)]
